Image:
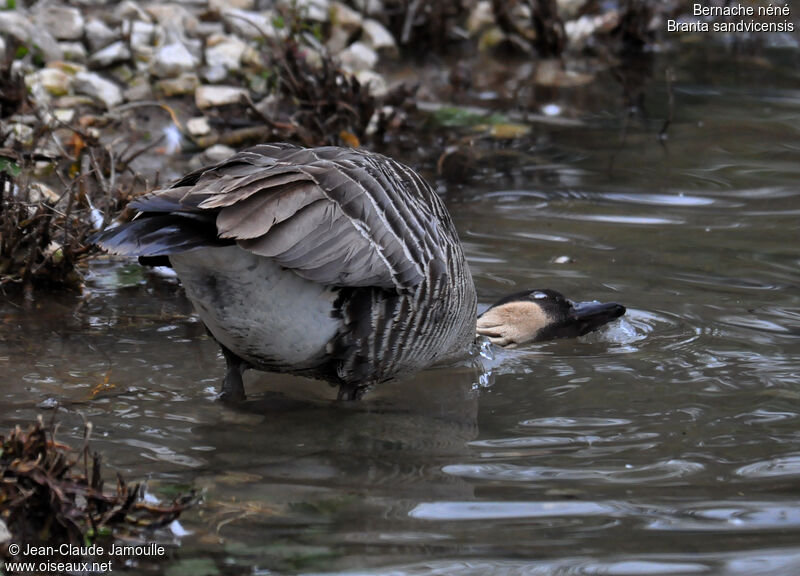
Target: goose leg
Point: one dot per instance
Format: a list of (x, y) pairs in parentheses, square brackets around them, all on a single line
[(350, 392), (232, 385)]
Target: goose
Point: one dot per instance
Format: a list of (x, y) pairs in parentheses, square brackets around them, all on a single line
[(333, 263)]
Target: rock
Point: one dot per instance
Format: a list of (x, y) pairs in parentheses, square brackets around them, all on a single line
[(38, 192), (129, 10), (309, 10), (252, 25), (345, 23), (48, 82), (175, 17), (64, 115), (480, 18), (186, 83), (97, 88), (580, 31), (172, 60), (269, 105), (206, 29), (5, 533), (63, 22), (214, 74), (2, 49), (218, 153), (16, 25), (225, 51), (220, 5), (374, 82), (253, 58), (111, 54), (337, 40), (198, 126), (211, 96), (17, 133), (376, 36), (138, 91), (345, 18), (144, 35), (312, 57), (358, 56), (99, 35), (369, 6), (74, 51)]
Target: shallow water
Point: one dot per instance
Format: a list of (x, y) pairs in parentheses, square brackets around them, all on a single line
[(666, 444)]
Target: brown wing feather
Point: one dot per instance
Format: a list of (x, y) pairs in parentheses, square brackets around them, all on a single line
[(335, 216)]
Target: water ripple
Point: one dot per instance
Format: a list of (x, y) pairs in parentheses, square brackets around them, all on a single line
[(628, 474), (785, 466), (505, 510)]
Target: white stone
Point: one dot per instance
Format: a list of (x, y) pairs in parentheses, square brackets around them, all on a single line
[(73, 51), (481, 17), (337, 40), (358, 56), (175, 17), (172, 60), (376, 36), (220, 5), (16, 25), (345, 22), (129, 10), (63, 22), (214, 74), (98, 34), (186, 83), (345, 18), (143, 35), (52, 81), (210, 96), (65, 115), (374, 82), (138, 91), (369, 6), (111, 54), (18, 133), (39, 192), (5, 533), (580, 31), (218, 153), (98, 88), (252, 24), (225, 51), (269, 105), (198, 126)]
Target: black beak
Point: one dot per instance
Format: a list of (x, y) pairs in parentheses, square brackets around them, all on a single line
[(582, 318)]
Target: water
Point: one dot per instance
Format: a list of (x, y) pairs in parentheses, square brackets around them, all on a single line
[(666, 444)]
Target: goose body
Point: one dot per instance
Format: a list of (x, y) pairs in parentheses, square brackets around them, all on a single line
[(333, 263)]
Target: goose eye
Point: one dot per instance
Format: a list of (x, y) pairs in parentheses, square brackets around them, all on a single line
[(538, 295)]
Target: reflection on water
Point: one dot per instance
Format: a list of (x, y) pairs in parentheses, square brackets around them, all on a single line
[(665, 444)]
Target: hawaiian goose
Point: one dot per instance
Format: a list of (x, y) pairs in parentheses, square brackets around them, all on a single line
[(332, 263)]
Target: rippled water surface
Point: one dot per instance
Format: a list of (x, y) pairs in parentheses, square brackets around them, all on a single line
[(668, 443)]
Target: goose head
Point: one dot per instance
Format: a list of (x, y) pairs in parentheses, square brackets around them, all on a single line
[(537, 315)]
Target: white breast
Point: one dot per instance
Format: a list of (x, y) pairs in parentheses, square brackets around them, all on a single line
[(262, 312)]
